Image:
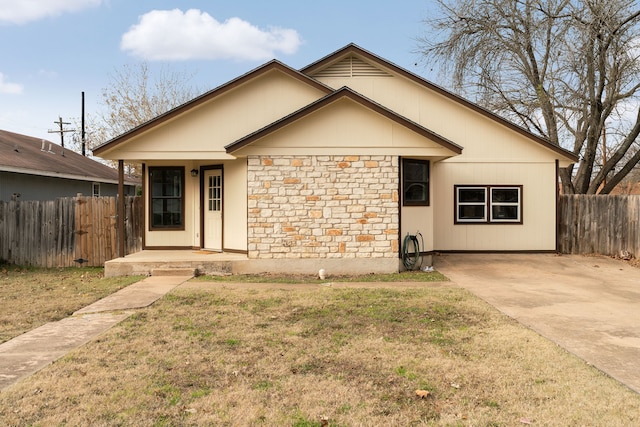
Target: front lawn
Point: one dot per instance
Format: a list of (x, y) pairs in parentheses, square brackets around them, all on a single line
[(255, 355)]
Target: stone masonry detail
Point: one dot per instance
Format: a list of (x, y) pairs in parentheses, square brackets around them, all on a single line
[(323, 206)]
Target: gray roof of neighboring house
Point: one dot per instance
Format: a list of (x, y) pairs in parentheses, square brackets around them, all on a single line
[(35, 156)]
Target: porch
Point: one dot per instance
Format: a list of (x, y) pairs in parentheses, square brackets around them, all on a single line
[(158, 262), (201, 262)]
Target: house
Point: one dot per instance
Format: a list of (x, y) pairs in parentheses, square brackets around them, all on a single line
[(35, 169), (333, 165)]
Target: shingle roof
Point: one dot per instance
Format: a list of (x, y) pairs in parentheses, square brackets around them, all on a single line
[(35, 156)]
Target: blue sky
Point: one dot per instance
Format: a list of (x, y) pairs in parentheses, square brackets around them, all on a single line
[(53, 50)]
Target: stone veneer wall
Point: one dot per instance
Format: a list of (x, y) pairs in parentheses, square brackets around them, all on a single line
[(323, 207)]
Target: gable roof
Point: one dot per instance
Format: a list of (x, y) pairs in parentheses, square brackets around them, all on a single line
[(337, 95), (334, 60), (35, 156), (207, 96), (353, 60)]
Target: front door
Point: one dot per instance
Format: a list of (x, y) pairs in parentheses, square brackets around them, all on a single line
[(213, 209)]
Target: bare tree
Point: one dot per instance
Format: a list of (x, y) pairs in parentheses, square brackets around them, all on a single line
[(134, 96), (568, 70)]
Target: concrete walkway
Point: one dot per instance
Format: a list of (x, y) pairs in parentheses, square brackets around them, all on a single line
[(590, 306), (32, 351)]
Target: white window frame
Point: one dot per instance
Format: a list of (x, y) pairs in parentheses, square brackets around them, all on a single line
[(483, 204), (93, 189), (488, 204), (517, 204)]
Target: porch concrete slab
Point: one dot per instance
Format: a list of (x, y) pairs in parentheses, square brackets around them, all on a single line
[(180, 255), (587, 305), (226, 263), (32, 351), (144, 262)]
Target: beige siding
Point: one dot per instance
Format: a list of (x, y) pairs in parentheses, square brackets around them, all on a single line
[(235, 205), (203, 132), (345, 127), (537, 232), (483, 139), (418, 219), (235, 208)]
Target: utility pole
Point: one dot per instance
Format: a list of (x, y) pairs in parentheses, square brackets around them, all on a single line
[(84, 140), (62, 130)]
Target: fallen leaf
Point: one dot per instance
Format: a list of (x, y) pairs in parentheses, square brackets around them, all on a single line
[(422, 393)]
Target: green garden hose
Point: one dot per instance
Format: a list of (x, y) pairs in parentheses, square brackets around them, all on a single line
[(410, 259)]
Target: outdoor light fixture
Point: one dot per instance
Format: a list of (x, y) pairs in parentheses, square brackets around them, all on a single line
[(194, 172)]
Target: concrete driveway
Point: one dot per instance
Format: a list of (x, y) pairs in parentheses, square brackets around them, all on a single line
[(590, 306)]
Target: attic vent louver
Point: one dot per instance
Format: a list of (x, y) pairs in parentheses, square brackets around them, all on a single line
[(352, 67)]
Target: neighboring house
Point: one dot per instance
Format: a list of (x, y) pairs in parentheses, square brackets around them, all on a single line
[(35, 169), (627, 188), (334, 164)]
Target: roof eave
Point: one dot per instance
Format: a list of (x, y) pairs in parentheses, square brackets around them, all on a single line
[(52, 174)]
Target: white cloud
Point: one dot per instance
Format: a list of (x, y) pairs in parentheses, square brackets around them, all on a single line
[(175, 35), (23, 11), (9, 88)]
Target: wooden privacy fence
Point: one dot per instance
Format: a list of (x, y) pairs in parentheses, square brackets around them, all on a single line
[(69, 231), (604, 225)]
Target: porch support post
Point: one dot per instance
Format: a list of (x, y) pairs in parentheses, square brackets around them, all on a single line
[(121, 250)]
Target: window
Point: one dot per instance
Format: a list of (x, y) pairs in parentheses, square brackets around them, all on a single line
[(95, 189), (166, 200), (215, 193), (488, 204), (415, 182), (472, 204)]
